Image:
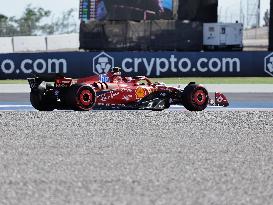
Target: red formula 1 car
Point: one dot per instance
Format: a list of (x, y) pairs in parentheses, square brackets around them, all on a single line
[(112, 91)]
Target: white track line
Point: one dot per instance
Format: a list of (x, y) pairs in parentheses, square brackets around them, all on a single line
[(15, 106)]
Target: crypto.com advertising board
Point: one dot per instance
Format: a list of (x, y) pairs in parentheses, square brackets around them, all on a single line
[(152, 64)]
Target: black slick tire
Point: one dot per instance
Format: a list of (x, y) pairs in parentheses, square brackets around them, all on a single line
[(80, 97), (195, 98)]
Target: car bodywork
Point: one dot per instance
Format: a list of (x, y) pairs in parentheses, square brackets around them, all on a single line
[(112, 91)]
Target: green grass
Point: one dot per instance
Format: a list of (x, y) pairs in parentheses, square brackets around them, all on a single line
[(218, 80), (13, 82), (201, 80)]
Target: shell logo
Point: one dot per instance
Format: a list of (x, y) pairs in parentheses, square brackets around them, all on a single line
[(140, 92)]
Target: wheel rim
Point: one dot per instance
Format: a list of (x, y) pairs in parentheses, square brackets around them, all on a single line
[(86, 98), (199, 97)]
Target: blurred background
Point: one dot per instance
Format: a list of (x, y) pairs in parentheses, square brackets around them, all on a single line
[(131, 25)]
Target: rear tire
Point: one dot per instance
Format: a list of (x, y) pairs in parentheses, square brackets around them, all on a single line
[(195, 98), (80, 97), (42, 100)]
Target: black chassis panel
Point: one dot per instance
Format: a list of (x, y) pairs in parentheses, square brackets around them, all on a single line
[(155, 101)]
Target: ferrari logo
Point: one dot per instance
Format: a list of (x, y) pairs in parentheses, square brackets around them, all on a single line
[(140, 92)]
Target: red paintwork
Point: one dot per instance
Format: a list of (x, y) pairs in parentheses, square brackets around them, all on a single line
[(221, 99), (63, 82), (122, 90)]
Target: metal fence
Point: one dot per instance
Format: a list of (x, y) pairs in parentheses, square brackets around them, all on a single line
[(9, 30), (256, 38)]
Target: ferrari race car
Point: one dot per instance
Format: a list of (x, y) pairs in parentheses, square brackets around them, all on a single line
[(112, 91)]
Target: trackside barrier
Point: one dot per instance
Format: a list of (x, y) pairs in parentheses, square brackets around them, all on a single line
[(62, 42), (6, 45), (153, 64), (29, 43)]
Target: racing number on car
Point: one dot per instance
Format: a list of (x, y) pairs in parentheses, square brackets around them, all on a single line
[(140, 92)]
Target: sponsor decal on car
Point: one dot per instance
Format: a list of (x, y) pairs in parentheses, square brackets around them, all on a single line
[(104, 78), (140, 92)]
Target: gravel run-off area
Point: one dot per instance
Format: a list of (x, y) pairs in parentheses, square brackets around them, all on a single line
[(136, 157)]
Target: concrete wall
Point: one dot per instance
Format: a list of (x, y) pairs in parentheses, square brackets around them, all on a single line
[(254, 39), (256, 33), (63, 42), (22, 44), (29, 43), (6, 45)]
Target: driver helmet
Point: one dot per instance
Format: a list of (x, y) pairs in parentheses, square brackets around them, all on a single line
[(116, 71)]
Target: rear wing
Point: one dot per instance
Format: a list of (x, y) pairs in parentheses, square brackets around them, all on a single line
[(58, 80), (50, 77), (34, 82), (37, 80)]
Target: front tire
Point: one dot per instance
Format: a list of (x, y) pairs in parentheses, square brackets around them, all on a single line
[(195, 98)]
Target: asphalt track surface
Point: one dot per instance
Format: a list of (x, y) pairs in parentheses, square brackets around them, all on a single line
[(136, 157)]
